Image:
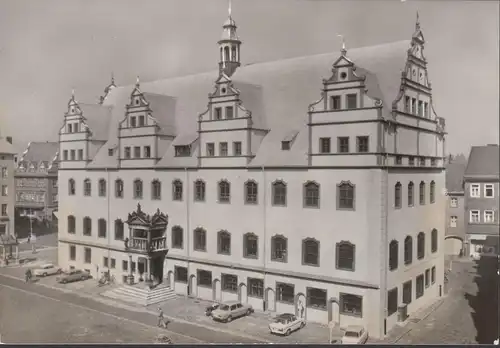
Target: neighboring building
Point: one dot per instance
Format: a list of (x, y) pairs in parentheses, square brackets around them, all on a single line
[(482, 200), (36, 180), (7, 198), (254, 174), (455, 223)]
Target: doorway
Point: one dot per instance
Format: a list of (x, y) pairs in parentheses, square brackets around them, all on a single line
[(157, 268)]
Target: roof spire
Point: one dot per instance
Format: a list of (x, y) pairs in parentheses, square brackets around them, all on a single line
[(112, 78), (417, 24), (229, 8), (343, 50), (73, 93), (137, 82)]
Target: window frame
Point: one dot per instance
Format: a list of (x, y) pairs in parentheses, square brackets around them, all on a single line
[(119, 188), (453, 221), (408, 250), (199, 190), (341, 146), (489, 187), (155, 190), (202, 233), (325, 145), (233, 284), (87, 187), (177, 190), (434, 240), (176, 274), (138, 188), (405, 294), (393, 255), (453, 202), (310, 243), (282, 201), (473, 193), (87, 226), (71, 224), (486, 213), (392, 301), (247, 237), (224, 197), (421, 246), (279, 292), (421, 193), (177, 235), (283, 251), (362, 147), (223, 149), (346, 193), (102, 228), (251, 192), (340, 260), (344, 299), (222, 236), (411, 194), (259, 287), (309, 297), (311, 194), (474, 212), (418, 293), (199, 278), (432, 192), (349, 99), (119, 230)]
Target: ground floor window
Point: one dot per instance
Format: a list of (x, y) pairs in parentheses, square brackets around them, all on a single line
[(316, 298), (427, 277), (204, 278), (125, 265), (392, 301), (351, 305), (88, 255), (255, 287), (72, 252), (420, 286), (113, 263), (285, 292), (105, 262), (229, 282), (133, 266), (181, 274), (407, 289), (433, 274)]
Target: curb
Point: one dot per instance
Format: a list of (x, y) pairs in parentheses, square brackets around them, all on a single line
[(114, 303)]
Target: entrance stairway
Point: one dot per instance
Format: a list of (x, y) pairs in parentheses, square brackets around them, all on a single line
[(141, 294)]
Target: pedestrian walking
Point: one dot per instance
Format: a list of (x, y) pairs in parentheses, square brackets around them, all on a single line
[(28, 275), (29, 239), (161, 319)]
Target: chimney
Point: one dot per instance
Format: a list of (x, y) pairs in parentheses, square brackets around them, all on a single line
[(9, 139)]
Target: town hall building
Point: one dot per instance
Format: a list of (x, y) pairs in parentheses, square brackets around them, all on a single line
[(313, 181)]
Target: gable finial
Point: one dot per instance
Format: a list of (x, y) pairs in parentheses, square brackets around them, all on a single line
[(417, 23), (73, 93), (229, 8), (343, 50), (137, 82), (112, 78)]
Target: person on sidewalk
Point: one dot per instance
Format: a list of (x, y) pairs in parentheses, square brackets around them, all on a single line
[(28, 275), (161, 319)]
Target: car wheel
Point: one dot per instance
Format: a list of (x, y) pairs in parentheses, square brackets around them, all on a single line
[(229, 319), (302, 325), (288, 332), (83, 278), (64, 281), (45, 274), (249, 312)]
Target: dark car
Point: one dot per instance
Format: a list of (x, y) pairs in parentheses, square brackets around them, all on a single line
[(211, 308)]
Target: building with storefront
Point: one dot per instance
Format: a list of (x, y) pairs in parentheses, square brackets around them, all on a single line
[(313, 181)]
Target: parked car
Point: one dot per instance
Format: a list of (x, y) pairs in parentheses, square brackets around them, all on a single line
[(355, 334), (46, 270), (73, 276), (285, 324), (211, 308), (228, 311)]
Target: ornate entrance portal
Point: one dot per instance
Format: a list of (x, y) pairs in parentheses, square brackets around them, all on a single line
[(147, 238)]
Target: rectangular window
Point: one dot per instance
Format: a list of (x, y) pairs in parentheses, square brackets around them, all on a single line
[(127, 152), (454, 202), (218, 113), (351, 305), (419, 291), (285, 292), (210, 149), (147, 151), (105, 262), (110, 152), (316, 298), (87, 255), (180, 274), (255, 287), (70, 128), (343, 144), (285, 145), (133, 267), (72, 252), (453, 221), (422, 161), (392, 301), (113, 263), (351, 101), (237, 148), (324, 145), (75, 129), (65, 155), (229, 283), (141, 121), (133, 122), (411, 161), (427, 277), (80, 154), (137, 152), (4, 209), (399, 160), (474, 216), (489, 191), (5, 190), (229, 112), (223, 149), (413, 106), (426, 110), (362, 144), (475, 190), (204, 278), (124, 265), (407, 292), (489, 216), (335, 102), (433, 162), (183, 150), (407, 104), (420, 108), (433, 274), (4, 172), (73, 155)]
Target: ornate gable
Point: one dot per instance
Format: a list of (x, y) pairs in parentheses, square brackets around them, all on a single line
[(140, 218)]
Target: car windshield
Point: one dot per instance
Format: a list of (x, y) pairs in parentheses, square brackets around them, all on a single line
[(280, 321), (351, 334), (224, 307)]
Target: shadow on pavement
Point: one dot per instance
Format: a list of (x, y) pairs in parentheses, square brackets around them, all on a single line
[(485, 302)]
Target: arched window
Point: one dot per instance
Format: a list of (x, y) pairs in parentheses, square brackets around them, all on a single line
[(71, 187), (138, 188), (200, 240), (224, 243), (434, 240), (410, 194), (156, 189), (101, 228), (102, 188), (224, 191), (199, 191), (87, 187), (221, 54), (432, 193), (393, 255), (408, 250), (345, 195), (177, 190), (251, 192), (345, 256), (397, 195), (422, 192), (226, 54), (87, 226), (71, 224), (311, 195), (177, 237), (233, 54), (421, 245), (119, 230), (310, 252), (250, 245), (279, 248), (119, 188), (279, 193)]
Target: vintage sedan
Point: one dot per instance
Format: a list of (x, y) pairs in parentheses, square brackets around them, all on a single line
[(228, 311), (73, 276), (46, 270), (285, 324), (355, 334), (211, 308)]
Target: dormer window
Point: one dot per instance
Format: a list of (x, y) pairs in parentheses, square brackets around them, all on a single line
[(407, 104), (110, 152), (133, 122), (72, 110), (229, 112), (352, 101), (141, 121), (420, 108), (75, 128), (70, 128), (413, 106), (285, 145), (136, 101), (218, 113), (182, 151), (335, 102), (127, 152), (223, 90), (137, 152), (343, 75), (223, 149), (147, 151), (426, 110)]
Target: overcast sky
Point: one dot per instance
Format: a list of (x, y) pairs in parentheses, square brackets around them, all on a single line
[(48, 47)]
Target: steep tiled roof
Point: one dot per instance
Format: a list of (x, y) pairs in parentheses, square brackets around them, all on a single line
[(455, 176), (40, 151), (483, 162), (276, 93)]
